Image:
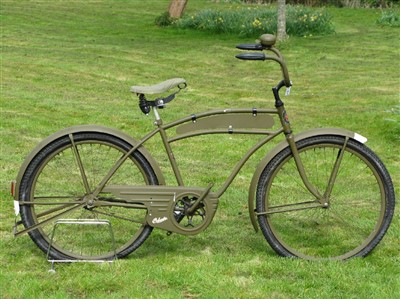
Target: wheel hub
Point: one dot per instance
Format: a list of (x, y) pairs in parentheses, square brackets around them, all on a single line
[(90, 200)]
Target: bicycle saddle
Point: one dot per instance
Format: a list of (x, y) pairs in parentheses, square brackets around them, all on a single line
[(160, 87)]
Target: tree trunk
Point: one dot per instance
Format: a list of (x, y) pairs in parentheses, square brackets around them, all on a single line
[(281, 34), (176, 8)]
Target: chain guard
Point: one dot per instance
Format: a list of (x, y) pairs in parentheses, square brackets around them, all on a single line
[(168, 206)]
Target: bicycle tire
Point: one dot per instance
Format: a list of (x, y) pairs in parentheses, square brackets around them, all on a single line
[(361, 204), (54, 175)]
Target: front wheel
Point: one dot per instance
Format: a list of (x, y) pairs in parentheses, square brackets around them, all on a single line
[(350, 217), (68, 170)]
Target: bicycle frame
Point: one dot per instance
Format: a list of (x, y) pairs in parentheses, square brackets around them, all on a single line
[(114, 176), (224, 121), (159, 199)]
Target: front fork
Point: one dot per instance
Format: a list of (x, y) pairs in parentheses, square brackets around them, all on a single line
[(322, 198)]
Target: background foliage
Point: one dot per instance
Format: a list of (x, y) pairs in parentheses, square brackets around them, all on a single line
[(338, 3), (253, 21), (389, 18)]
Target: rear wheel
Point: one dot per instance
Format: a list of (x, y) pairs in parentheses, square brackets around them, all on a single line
[(348, 220), (68, 170)]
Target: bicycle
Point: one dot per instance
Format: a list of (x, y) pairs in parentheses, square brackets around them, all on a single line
[(320, 194)]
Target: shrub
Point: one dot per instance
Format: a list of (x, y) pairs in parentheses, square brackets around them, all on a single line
[(305, 21), (255, 20), (389, 18), (164, 20), (338, 3)]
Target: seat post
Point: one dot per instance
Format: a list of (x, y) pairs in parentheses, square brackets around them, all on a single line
[(158, 121)]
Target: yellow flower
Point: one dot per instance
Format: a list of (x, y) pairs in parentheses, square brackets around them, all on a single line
[(257, 23)]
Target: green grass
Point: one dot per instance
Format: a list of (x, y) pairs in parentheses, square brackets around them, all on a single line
[(67, 63)]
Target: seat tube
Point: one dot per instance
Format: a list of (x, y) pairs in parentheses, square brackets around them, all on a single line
[(168, 148)]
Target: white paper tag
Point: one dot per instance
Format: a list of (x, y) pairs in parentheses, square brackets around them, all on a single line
[(288, 90), (16, 207)]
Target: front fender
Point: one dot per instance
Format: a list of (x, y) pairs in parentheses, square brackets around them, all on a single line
[(282, 145), (86, 128)]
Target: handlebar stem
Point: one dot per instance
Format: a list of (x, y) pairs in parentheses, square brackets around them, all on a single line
[(279, 58)]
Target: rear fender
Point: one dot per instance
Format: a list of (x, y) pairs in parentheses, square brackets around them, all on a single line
[(86, 128), (282, 145)]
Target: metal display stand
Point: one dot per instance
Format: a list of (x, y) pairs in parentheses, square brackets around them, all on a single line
[(80, 222)]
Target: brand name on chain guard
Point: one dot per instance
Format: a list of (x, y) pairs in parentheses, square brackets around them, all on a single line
[(160, 202), (159, 220)]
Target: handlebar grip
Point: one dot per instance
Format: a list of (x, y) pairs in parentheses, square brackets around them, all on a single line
[(251, 47), (251, 56)]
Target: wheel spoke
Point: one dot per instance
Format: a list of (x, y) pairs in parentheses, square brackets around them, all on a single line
[(351, 219), (55, 190), (80, 164), (335, 170), (51, 219), (291, 207), (348, 225)]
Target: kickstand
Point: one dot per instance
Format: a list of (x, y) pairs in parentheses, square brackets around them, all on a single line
[(79, 222)]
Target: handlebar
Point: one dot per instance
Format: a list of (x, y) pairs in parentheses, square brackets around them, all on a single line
[(267, 42)]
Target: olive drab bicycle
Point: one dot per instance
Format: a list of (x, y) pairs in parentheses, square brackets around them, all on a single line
[(319, 194)]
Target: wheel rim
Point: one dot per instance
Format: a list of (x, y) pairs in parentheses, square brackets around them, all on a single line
[(52, 182), (349, 224)]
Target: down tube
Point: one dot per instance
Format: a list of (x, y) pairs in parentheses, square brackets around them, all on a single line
[(246, 157)]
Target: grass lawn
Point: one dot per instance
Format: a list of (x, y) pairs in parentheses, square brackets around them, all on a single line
[(66, 63)]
